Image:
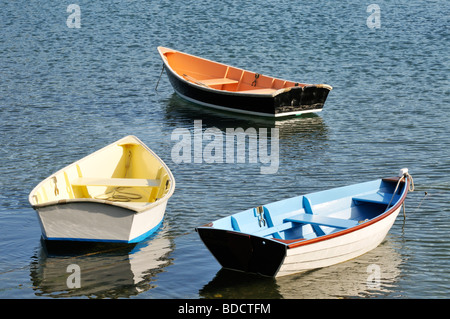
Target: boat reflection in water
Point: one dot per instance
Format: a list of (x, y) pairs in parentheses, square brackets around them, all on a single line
[(352, 279), (105, 270), (181, 113), (370, 275)]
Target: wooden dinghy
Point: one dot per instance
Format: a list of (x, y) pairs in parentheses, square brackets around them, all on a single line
[(310, 231), (117, 194), (224, 87)]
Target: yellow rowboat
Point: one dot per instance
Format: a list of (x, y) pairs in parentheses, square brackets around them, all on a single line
[(116, 194)]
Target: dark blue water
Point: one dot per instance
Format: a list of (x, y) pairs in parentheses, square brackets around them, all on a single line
[(65, 92)]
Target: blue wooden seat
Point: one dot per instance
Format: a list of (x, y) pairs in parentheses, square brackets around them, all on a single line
[(273, 230), (321, 221), (375, 198)]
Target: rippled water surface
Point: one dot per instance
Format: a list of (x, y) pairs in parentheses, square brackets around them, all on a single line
[(65, 92)]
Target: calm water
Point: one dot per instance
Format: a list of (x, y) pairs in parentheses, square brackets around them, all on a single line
[(65, 92)]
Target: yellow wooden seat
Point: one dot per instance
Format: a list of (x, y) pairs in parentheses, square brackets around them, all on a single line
[(117, 182)]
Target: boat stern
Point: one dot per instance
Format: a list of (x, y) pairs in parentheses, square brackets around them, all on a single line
[(301, 99), (243, 252)]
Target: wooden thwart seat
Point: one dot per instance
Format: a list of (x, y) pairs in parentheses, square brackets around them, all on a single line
[(375, 198), (124, 182), (321, 221), (219, 81), (210, 82), (273, 229)]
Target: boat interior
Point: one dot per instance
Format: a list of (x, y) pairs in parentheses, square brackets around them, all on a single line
[(317, 214), (219, 76), (123, 172)]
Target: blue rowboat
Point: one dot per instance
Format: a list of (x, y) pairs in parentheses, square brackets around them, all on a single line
[(309, 231)]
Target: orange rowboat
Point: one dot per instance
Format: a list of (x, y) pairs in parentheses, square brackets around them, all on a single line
[(224, 87)]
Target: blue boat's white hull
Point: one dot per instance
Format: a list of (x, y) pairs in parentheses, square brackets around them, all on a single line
[(337, 249)]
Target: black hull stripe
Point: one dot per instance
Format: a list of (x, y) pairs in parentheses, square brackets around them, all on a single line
[(291, 102)]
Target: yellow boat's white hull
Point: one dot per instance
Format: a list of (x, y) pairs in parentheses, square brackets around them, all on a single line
[(117, 194), (89, 221)]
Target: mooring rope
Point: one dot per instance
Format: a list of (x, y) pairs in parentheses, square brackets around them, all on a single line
[(410, 188), (119, 195), (420, 204), (157, 83)]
